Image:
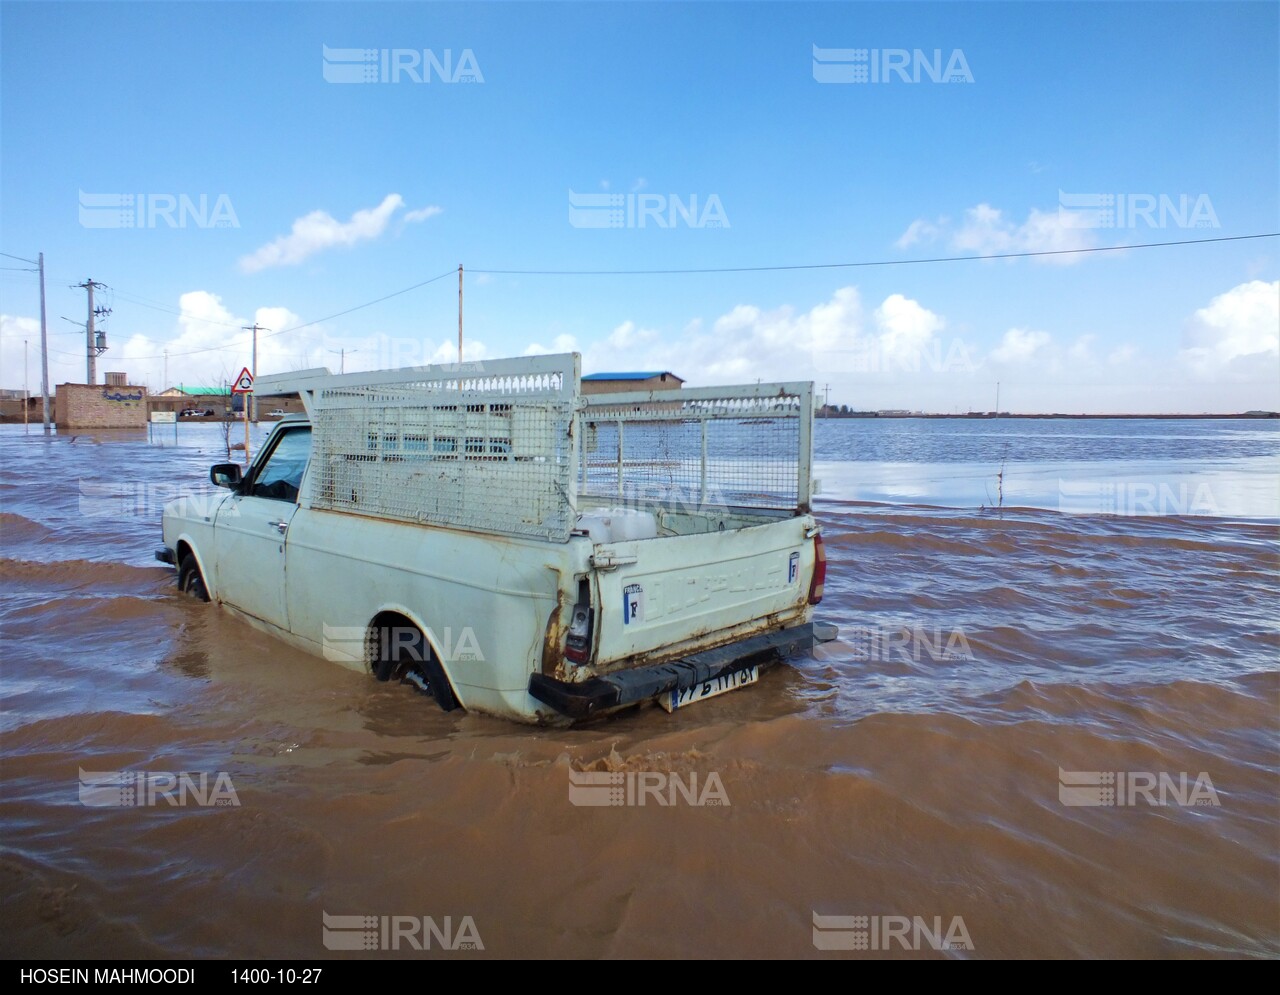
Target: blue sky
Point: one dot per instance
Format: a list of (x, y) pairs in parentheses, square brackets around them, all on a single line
[(338, 193)]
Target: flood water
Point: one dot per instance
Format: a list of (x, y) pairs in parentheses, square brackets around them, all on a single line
[(1052, 718)]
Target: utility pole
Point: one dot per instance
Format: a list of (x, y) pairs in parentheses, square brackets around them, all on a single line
[(93, 350), (26, 392), (253, 398), (997, 398), (459, 314), (164, 384), (44, 351), (827, 389), (342, 358)]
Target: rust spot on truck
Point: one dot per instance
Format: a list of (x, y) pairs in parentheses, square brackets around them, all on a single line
[(553, 663)]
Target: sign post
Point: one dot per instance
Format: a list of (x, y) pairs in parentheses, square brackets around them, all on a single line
[(244, 385), (163, 418)]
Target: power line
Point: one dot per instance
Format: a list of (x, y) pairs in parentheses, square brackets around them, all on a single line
[(692, 271), (317, 321), (142, 302), (874, 262), (17, 334)]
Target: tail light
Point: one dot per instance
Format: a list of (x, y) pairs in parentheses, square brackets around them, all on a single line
[(819, 570), (577, 647)]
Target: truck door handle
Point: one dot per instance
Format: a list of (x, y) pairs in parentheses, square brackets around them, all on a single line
[(280, 527)]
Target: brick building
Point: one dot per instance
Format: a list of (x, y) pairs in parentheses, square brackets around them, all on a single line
[(112, 405)]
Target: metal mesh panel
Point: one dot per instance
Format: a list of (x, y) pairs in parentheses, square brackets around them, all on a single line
[(490, 453), (722, 447)]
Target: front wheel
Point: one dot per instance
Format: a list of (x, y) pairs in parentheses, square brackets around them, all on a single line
[(190, 580)]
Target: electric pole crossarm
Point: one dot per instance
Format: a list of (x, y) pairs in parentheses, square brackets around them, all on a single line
[(252, 399), (95, 345)]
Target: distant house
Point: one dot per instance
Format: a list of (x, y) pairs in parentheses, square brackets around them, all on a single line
[(183, 398), (219, 400), (613, 383)]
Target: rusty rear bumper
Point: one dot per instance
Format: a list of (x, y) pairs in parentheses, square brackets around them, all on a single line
[(581, 699)]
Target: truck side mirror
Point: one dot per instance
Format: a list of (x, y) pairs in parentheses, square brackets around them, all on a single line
[(225, 474)]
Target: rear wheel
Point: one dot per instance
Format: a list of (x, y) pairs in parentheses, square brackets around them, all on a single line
[(190, 580), (402, 652)]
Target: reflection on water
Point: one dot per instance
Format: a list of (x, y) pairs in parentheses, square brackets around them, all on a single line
[(1127, 467)]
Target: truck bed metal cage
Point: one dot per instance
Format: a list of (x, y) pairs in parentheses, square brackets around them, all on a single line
[(702, 447), (509, 446), (480, 446)]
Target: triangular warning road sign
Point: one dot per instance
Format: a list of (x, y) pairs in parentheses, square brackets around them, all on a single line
[(244, 383)]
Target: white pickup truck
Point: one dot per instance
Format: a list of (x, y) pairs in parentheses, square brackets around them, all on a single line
[(510, 546)]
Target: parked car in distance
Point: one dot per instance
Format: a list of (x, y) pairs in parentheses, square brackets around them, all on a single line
[(488, 537), (278, 413)]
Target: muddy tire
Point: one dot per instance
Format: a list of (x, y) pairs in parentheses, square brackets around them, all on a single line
[(411, 661), (190, 580)]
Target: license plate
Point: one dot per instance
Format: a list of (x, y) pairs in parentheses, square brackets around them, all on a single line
[(709, 689)]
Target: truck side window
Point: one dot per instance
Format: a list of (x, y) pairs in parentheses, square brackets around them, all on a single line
[(282, 475)]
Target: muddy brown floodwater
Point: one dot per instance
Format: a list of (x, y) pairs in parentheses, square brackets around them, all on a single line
[(993, 667)]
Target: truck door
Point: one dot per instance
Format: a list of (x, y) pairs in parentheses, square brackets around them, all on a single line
[(252, 528)]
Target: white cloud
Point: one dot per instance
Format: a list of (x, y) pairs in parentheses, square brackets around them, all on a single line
[(1020, 345), (473, 351), (905, 326), (1240, 327), (628, 336), (211, 344), (984, 230), (319, 230), (423, 213), (1081, 350), (749, 343), (18, 326), (561, 343), (919, 230), (15, 328)]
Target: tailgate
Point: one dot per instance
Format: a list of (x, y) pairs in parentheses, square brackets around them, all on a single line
[(677, 594)]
